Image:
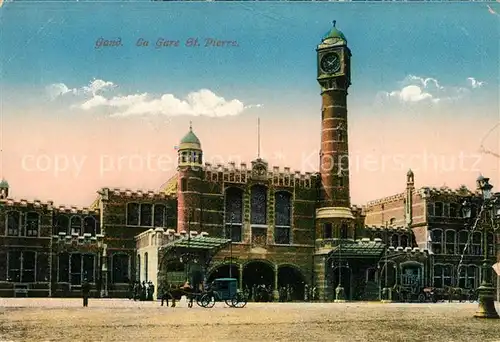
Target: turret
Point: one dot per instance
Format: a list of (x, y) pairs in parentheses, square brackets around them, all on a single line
[(4, 189), (189, 171)]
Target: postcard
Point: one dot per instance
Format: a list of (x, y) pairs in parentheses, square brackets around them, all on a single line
[(274, 171)]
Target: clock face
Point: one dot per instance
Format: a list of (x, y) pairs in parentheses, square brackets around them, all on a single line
[(330, 63)]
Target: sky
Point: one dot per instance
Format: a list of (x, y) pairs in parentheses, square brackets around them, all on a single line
[(86, 103)]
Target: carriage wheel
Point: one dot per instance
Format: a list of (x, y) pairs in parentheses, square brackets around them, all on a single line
[(207, 301), (421, 298), (198, 300), (239, 301), (471, 298)]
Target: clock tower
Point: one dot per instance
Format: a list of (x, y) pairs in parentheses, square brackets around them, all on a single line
[(334, 219)]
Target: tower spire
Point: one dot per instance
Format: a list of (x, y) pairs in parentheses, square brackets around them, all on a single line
[(258, 137), (191, 126), (334, 23)]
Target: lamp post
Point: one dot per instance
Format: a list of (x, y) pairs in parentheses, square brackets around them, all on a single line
[(340, 291), (386, 291), (489, 207), (231, 246)]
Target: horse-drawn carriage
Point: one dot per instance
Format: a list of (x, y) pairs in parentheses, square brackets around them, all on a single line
[(433, 294), (221, 289)]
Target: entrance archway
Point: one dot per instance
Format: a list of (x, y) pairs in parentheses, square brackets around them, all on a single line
[(291, 283), (224, 271), (257, 275)]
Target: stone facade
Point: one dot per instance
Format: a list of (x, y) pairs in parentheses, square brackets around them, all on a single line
[(431, 220), (286, 228)]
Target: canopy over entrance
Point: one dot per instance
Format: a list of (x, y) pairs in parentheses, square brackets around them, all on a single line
[(358, 250), (197, 243), (203, 246)]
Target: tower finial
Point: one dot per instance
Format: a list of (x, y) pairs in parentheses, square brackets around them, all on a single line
[(334, 22), (191, 126), (258, 137)]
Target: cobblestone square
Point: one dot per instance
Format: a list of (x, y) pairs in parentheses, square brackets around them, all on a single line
[(124, 320)]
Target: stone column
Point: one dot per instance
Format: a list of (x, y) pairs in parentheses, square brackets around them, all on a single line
[(276, 294), (104, 273)]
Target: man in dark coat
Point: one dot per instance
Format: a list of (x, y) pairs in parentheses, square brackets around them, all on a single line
[(85, 292)]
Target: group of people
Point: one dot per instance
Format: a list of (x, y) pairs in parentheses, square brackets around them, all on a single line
[(142, 291)]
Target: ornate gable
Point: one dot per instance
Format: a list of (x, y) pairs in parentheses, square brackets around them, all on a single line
[(259, 169)]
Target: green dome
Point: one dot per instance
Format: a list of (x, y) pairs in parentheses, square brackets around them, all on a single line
[(334, 33), (4, 184), (190, 141), (190, 138)]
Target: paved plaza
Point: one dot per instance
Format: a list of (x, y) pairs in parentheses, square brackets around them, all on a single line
[(124, 320)]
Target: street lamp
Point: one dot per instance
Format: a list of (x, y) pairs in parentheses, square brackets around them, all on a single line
[(340, 291), (386, 291), (489, 205), (231, 246)]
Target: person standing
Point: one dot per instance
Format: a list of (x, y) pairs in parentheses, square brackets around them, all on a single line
[(85, 292)]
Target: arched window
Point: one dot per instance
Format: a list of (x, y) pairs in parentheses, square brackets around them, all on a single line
[(283, 217), (491, 244), (463, 236), (13, 223), (233, 214), (32, 224), (89, 225), (62, 223), (160, 211), (146, 215), (120, 269), (327, 230), (404, 241), (443, 275), (76, 225), (344, 231), (395, 240), (472, 277), (258, 205), (133, 214), (450, 242), (437, 241), (476, 243)]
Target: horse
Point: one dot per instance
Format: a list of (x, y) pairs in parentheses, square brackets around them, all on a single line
[(176, 292)]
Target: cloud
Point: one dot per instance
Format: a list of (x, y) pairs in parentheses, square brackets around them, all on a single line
[(95, 86), (475, 83), (58, 89), (411, 93), (198, 103), (415, 89)]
